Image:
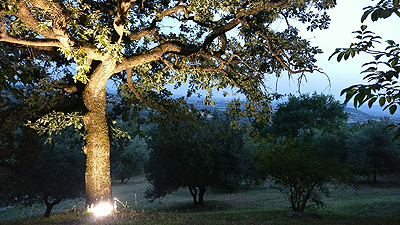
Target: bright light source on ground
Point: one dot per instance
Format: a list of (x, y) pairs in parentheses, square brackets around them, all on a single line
[(101, 209)]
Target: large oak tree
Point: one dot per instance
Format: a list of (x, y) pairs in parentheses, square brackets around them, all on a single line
[(145, 45)]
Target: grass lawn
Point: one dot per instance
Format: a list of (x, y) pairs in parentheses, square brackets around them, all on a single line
[(370, 204)]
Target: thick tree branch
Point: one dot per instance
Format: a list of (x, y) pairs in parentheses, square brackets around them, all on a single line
[(56, 9), (138, 35), (152, 55), (35, 43), (59, 15), (25, 15), (172, 11)]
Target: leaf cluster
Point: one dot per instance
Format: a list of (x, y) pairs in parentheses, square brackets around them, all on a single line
[(383, 72)]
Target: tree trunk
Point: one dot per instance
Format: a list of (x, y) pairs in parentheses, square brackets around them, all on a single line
[(193, 192), (202, 190), (50, 205), (97, 148)]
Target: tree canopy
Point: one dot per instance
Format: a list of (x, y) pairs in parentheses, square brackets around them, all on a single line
[(207, 153), (52, 173), (307, 112), (143, 46), (300, 169)]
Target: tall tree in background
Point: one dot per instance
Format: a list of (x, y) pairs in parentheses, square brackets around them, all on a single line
[(316, 111), (145, 45)]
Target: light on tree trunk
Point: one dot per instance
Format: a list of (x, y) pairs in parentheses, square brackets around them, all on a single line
[(102, 209)]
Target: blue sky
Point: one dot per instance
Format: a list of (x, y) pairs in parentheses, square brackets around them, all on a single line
[(345, 19)]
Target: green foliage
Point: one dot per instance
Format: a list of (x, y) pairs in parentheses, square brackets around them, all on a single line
[(56, 122), (128, 155), (383, 72), (196, 154), (382, 10), (54, 174), (304, 149), (11, 63), (19, 149), (306, 112), (204, 26), (371, 150), (300, 169)]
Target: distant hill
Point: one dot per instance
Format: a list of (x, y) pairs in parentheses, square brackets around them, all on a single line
[(360, 115), (364, 114)]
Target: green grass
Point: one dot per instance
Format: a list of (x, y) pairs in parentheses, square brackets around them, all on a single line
[(370, 204)]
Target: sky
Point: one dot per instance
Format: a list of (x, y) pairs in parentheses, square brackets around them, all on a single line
[(345, 18)]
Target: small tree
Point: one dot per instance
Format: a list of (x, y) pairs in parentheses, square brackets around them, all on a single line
[(198, 155), (57, 174), (371, 149), (299, 170), (128, 156)]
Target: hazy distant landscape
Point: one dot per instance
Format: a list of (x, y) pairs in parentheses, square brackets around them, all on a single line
[(359, 115)]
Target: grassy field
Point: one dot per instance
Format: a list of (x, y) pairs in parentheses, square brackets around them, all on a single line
[(370, 204)]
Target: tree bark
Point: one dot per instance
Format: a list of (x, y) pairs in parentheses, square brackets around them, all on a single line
[(193, 192), (50, 205), (202, 190), (97, 149)]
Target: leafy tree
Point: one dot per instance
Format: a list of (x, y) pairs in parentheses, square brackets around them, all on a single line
[(371, 150), (307, 112), (299, 169), (332, 142), (56, 174), (382, 72), (19, 149), (207, 153), (212, 44), (128, 156)]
